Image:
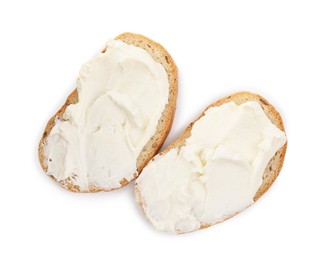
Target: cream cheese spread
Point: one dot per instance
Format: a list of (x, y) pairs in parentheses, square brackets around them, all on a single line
[(121, 96), (215, 174)]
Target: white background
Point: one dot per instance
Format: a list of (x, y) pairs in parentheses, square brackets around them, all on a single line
[(220, 47)]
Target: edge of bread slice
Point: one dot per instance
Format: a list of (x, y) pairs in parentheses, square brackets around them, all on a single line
[(275, 164), (160, 55)]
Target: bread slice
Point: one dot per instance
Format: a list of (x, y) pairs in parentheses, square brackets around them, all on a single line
[(275, 164), (160, 55)]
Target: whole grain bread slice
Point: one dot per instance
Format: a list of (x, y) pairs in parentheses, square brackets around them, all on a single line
[(275, 164), (160, 55)]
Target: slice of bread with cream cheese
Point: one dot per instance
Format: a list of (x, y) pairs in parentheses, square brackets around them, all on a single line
[(223, 163), (116, 119)]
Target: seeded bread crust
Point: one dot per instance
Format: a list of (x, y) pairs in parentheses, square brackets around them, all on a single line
[(159, 54), (275, 164)]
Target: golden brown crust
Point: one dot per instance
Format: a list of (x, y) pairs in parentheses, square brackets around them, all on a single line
[(275, 164), (159, 54)]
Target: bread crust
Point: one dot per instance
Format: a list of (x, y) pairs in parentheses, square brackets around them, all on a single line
[(159, 54), (275, 164)]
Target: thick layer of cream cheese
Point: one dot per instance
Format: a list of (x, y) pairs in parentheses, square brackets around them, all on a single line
[(215, 174), (122, 94)]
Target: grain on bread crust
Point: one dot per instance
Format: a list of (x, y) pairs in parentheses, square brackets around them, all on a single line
[(160, 55), (275, 164)]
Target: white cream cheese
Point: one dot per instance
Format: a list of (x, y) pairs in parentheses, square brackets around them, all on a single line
[(121, 96), (215, 174)]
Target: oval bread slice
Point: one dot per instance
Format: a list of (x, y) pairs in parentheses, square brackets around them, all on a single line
[(160, 55), (271, 171)]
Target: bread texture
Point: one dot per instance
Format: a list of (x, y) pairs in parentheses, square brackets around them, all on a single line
[(275, 164), (160, 55)]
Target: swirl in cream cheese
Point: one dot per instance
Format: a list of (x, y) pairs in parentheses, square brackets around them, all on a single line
[(121, 96), (215, 174)]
